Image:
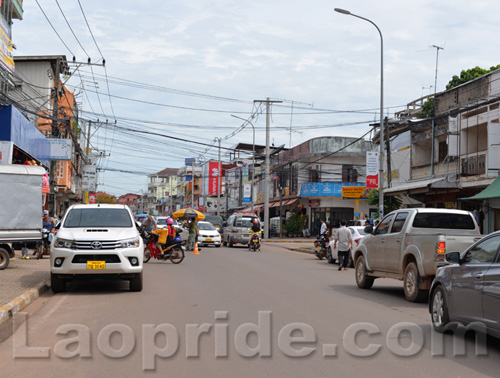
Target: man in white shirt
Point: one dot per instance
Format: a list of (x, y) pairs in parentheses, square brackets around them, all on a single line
[(344, 237), (323, 228)]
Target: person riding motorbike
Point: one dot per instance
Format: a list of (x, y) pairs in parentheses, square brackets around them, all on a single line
[(255, 230), (166, 235), (49, 224)]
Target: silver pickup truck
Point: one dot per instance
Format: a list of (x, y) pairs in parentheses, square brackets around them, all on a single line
[(410, 244)]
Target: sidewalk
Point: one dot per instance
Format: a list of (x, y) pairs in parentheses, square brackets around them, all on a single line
[(22, 282), (305, 245)]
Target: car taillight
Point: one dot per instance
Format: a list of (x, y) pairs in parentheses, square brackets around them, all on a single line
[(441, 248), (357, 240)]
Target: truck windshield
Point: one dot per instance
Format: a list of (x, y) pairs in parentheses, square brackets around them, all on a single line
[(98, 218), (440, 220)]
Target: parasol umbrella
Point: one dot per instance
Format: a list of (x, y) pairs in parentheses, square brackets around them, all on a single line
[(187, 214)]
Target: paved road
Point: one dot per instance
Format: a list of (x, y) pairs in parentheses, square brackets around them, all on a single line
[(223, 292)]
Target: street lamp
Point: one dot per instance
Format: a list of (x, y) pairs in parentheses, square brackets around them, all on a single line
[(253, 158), (381, 157)]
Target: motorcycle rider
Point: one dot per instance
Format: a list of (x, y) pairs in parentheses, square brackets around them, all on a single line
[(255, 230), (49, 224), (166, 235)]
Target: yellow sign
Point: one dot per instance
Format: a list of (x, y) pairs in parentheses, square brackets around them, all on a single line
[(86, 197), (355, 192)]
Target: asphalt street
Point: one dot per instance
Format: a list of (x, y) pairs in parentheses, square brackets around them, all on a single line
[(229, 312)]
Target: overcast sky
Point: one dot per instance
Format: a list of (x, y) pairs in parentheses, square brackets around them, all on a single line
[(181, 68)]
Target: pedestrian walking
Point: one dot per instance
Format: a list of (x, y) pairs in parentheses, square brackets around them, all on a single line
[(344, 238)]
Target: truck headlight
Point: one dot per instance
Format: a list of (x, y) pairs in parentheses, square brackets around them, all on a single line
[(131, 243), (63, 243)]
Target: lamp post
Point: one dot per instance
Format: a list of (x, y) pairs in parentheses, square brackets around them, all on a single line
[(253, 159), (381, 157)]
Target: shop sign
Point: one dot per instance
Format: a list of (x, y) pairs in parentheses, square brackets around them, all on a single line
[(372, 167), (314, 203), (355, 192)]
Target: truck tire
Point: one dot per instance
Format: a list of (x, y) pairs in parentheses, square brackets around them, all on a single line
[(362, 280), (136, 282), (411, 284), (4, 259), (56, 284)]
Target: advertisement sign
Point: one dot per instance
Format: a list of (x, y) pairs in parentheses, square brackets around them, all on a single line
[(89, 178), (92, 198), (355, 192), (372, 167), (213, 180), (6, 59), (314, 203), (247, 193), (189, 161), (326, 189), (61, 149)]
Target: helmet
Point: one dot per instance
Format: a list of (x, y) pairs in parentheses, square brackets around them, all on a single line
[(255, 221), (170, 221)]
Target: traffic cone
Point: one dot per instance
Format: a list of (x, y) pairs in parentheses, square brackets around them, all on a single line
[(196, 249)]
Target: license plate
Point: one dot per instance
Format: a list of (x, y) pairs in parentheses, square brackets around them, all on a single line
[(318, 248), (255, 240), (96, 264), (208, 240), (246, 235)]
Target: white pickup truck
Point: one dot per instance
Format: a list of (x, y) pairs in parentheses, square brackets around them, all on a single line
[(410, 244)]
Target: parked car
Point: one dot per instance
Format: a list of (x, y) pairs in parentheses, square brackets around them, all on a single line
[(97, 241), (208, 234), (216, 221), (410, 244), (468, 290), (237, 230), (332, 254), (161, 222)]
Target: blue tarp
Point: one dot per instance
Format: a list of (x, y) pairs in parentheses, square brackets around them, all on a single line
[(14, 127)]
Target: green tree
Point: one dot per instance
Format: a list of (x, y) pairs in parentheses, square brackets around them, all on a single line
[(391, 203), (427, 109), (468, 75)]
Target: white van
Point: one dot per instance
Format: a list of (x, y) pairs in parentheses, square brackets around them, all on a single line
[(97, 241)]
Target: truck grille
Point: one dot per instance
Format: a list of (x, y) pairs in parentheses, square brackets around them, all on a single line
[(82, 259), (97, 245)]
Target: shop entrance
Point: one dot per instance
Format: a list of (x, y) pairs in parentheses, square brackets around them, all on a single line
[(331, 215)]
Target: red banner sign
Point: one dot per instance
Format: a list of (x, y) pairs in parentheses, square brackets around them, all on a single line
[(213, 181)]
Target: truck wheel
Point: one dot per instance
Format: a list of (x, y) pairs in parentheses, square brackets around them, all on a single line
[(362, 280), (4, 259), (136, 282), (411, 284), (57, 285)]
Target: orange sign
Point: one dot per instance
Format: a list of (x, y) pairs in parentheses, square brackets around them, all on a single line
[(355, 192)]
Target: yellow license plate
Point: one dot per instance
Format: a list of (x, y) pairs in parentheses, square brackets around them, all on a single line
[(96, 264), (208, 240)]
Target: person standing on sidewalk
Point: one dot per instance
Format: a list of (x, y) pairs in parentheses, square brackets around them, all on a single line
[(193, 233), (344, 237)]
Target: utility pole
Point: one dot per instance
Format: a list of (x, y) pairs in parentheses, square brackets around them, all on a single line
[(388, 148), (267, 178), (55, 132)]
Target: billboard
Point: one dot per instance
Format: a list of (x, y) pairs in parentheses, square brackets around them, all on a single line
[(213, 178), (372, 167), (89, 178)]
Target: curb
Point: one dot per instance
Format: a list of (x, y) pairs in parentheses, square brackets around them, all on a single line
[(7, 311)]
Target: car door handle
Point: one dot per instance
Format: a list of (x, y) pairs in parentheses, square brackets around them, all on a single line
[(478, 275), (398, 239)]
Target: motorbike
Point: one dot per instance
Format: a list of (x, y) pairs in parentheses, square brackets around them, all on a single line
[(44, 247), (254, 243), (175, 252), (320, 245)]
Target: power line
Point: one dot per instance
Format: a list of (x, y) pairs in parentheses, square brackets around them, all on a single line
[(54, 28)]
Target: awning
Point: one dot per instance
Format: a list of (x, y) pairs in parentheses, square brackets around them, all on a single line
[(249, 209), (492, 191), (439, 182)]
